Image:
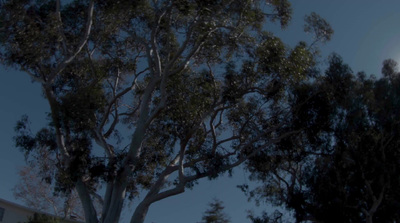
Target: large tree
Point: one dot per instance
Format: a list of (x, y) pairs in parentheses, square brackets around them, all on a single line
[(346, 167), (151, 96)]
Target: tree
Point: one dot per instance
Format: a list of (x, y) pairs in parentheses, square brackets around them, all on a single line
[(37, 193), (347, 168), (215, 213), (144, 91)]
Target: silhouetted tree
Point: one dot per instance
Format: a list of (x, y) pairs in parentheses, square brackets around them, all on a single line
[(344, 166), (215, 213)]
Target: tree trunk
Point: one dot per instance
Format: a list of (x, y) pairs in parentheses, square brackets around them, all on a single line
[(116, 204), (368, 218), (90, 211), (140, 212)]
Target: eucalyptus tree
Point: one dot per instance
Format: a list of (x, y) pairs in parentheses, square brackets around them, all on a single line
[(150, 96)]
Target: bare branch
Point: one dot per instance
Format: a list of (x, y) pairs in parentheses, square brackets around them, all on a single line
[(59, 134), (185, 62), (113, 101), (83, 42), (60, 27), (183, 47), (101, 141), (180, 188), (113, 124)]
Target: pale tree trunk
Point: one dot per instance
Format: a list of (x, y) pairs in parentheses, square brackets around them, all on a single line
[(376, 203), (140, 213), (86, 200), (117, 195), (369, 219), (113, 212)]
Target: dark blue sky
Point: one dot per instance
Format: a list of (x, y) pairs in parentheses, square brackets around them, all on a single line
[(366, 33)]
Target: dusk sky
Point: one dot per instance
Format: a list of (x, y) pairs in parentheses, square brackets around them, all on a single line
[(366, 33)]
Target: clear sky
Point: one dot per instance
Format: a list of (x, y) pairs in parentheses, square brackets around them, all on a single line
[(366, 33)]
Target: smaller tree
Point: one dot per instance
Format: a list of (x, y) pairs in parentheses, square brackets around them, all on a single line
[(215, 213), (34, 191)]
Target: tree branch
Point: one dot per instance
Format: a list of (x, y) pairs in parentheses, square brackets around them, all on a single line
[(60, 27), (83, 42)]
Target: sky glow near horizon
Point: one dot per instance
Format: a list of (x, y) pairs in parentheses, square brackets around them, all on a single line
[(366, 33)]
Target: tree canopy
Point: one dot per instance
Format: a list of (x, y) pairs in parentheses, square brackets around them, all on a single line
[(153, 95), (346, 169)]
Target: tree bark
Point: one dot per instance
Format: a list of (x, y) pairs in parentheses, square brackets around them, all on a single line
[(90, 211), (140, 212), (113, 212)]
